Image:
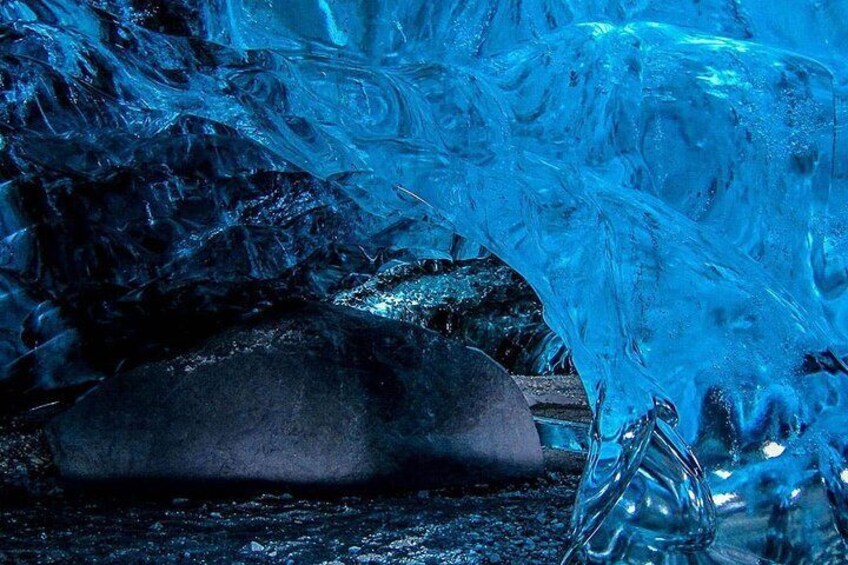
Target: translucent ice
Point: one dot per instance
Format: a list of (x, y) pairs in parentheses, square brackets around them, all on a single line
[(668, 176)]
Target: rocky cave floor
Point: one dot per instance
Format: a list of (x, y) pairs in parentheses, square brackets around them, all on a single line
[(40, 522), (517, 524)]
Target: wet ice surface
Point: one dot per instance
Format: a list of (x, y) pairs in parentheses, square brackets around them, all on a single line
[(519, 524)]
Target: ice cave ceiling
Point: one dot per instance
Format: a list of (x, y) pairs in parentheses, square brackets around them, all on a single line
[(668, 177)]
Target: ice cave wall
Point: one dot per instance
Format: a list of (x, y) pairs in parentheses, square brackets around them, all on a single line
[(669, 177)]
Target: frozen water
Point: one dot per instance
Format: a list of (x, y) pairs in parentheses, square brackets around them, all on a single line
[(669, 177)]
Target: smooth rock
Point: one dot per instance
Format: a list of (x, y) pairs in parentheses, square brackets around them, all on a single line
[(319, 397)]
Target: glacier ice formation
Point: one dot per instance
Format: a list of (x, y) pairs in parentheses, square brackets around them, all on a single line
[(669, 177)]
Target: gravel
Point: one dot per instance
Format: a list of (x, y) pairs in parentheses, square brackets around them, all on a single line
[(524, 523)]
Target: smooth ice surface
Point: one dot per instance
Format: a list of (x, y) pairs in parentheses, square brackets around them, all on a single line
[(669, 177)]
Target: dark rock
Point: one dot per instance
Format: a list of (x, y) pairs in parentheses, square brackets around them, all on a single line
[(321, 397)]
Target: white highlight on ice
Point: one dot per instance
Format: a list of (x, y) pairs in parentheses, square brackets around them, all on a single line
[(773, 449)]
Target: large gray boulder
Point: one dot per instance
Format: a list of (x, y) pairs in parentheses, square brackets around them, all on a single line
[(322, 397)]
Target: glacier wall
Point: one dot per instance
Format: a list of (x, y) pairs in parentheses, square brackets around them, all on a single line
[(670, 177)]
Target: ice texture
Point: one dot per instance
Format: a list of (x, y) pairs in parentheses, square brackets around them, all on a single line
[(481, 302), (669, 177)]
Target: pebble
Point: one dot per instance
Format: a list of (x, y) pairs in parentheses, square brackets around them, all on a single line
[(255, 547)]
